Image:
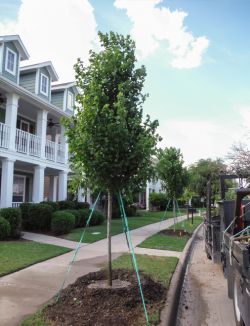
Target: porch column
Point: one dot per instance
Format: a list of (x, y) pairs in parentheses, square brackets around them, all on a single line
[(147, 196), (11, 118), (7, 182), (53, 188), (38, 184), (62, 185), (42, 129), (65, 144)]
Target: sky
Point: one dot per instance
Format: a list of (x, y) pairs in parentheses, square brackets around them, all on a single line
[(196, 53)]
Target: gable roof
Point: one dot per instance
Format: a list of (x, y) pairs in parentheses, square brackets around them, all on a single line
[(24, 55), (62, 86), (46, 64)]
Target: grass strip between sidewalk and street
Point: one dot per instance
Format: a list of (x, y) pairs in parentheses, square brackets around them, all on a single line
[(99, 232), (16, 255), (160, 269), (172, 242)]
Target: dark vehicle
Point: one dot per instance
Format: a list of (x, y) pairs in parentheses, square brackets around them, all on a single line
[(227, 241)]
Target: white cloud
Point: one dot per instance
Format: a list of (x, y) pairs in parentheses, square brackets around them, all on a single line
[(200, 139), (58, 30), (153, 24)]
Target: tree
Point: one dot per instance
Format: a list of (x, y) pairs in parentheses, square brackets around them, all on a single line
[(200, 172), (108, 136), (171, 172), (239, 159)]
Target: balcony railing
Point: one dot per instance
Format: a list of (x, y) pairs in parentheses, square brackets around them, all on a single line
[(28, 143), (50, 150), (54, 152), (60, 153), (4, 135)]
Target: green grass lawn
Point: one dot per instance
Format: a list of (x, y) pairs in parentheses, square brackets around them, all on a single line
[(169, 242), (145, 218), (15, 255)]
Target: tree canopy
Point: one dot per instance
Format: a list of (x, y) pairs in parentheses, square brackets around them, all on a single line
[(171, 172), (203, 170), (107, 136)]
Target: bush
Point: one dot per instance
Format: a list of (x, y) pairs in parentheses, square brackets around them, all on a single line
[(40, 217), (158, 200), (77, 215), (81, 205), (130, 210), (62, 222), (66, 204), (13, 216), (53, 204), (84, 214), (5, 228), (96, 219), (25, 212)]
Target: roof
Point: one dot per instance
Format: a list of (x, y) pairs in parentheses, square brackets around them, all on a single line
[(18, 43), (46, 64), (62, 86)]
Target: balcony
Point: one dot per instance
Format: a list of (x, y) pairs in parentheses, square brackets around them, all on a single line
[(29, 144)]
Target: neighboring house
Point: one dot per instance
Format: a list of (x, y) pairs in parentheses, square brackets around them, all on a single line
[(143, 196), (33, 148)]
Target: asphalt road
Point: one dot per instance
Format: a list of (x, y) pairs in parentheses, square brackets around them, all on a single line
[(204, 300)]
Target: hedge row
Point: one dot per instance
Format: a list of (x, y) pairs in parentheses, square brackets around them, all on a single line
[(38, 217)]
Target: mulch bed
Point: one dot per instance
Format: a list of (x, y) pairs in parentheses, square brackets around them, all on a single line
[(177, 233), (86, 306)]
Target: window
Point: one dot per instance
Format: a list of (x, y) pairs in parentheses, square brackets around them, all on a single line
[(10, 61), (19, 188), (44, 85), (70, 101)]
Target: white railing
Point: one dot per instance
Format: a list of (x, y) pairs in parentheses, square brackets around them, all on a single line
[(16, 204), (60, 153), (28, 143), (50, 150), (4, 135)]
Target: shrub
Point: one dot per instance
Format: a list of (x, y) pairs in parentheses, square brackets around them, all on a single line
[(40, 217), (158, 200), (84, 214), (77, 215), (53, 204), (130, 210), (66, 204), (96, 219), (13, 216), (81, 205), (25, 211), (5, 228), (62, 222)]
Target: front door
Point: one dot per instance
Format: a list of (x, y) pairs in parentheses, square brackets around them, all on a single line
[(19, 188)]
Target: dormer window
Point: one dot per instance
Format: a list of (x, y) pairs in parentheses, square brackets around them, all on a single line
[(10, 61), (70, 101), (44, 85)]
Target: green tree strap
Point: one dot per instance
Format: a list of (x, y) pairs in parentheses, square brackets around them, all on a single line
[(77, 249), (134, 259)]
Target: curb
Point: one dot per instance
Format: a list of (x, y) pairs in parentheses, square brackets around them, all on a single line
[(169, 312)]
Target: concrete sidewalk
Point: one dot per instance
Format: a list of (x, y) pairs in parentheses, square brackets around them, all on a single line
[(42, 238), (23, 292)]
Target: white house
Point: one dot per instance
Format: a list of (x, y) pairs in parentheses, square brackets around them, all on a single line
[(33, 148)]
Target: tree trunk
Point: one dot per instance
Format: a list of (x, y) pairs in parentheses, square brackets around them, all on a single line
[(109, 237), (174, 211)]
